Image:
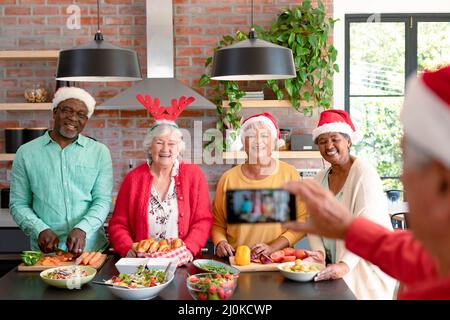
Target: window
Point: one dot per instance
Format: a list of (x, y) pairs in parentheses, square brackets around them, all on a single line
[(381, 52)]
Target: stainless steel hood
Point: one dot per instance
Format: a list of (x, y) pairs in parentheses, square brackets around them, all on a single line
[(160, 80)]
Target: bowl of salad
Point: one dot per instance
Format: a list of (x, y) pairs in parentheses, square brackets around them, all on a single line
[(212, 286), (144, 284), (68, 277)]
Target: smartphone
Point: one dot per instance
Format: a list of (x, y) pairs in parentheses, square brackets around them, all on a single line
[(260, 206)]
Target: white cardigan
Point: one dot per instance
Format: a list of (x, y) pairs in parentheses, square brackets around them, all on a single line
[(363, 195)]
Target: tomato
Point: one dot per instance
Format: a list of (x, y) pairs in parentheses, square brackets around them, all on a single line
[(212, 289), (202, 296), (288, 259), (221, 293), (301, 254), (193, 279), (277, 256), (289, 251)]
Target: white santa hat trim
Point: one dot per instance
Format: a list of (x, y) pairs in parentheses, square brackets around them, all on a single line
[(266, 121), (340, 127), (65, 93), (426, 119)]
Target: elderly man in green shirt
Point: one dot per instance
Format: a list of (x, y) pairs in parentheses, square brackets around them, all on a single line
[(62, 181)]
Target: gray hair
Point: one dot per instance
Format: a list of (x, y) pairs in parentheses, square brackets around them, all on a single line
[(163, 130), (258, 125), (416, 157)]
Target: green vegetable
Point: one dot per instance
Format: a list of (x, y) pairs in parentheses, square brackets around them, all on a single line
[(31, 257), (214, 268)]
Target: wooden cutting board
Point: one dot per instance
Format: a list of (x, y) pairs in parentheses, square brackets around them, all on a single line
[(253, 266), (39, 267)]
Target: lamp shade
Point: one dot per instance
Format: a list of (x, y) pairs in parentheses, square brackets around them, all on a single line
[(253, 59), (98, 61)]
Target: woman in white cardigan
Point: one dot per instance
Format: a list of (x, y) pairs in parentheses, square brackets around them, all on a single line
[(357, 185)]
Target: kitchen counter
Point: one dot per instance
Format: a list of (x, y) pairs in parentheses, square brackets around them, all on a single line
[(17, 285)]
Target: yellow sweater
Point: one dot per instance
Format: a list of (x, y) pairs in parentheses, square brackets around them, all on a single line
[(251, 234)]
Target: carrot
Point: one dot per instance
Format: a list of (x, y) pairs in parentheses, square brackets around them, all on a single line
[(81, 257), (88, 258), (95, 258)]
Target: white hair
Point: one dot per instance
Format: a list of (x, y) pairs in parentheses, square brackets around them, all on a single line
[(163, 130), (258, 125)]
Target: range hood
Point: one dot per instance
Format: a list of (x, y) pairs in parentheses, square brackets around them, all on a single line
[(160, 80)]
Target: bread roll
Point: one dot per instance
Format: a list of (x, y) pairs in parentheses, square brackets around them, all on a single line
[(164, 248), (153, 247), (176, 243), (140, 247)]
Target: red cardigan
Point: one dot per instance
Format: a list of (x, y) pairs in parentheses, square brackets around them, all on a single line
[(401, 256), (129, 222)]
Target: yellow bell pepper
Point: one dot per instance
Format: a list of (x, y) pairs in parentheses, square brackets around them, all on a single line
[(242, 257)]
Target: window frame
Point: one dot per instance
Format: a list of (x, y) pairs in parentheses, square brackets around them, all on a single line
[(410, 20)]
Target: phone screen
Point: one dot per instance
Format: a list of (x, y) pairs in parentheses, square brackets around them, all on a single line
[(260, 206)]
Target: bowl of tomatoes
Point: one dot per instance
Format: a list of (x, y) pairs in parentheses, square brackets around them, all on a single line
[(212, 286)]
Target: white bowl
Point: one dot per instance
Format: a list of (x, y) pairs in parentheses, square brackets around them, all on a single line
[(129, 265), (140, 293), (300, 276), (69, 283)]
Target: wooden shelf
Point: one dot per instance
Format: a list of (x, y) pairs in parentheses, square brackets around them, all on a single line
[(7, 156), (25, 106), (280, 154), (29, 54), (267, 104)]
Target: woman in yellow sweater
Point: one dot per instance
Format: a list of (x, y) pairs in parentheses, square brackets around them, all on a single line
[(260, 135)]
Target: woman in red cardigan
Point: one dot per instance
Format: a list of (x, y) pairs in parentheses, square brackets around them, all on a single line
[(163, 198)]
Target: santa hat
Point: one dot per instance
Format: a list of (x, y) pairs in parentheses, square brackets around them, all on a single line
[(164, 115), (336, 121), (267, 119), (426, 113), (65, 93)]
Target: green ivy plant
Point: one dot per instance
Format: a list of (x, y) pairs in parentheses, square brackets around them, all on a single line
[(305, 31)]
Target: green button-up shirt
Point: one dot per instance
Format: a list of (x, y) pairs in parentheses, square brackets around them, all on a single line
[(62, 189)]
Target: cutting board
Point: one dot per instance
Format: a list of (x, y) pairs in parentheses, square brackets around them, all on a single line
[(39, 267), (253, 266)]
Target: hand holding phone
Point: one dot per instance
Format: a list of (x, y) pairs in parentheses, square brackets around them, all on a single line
[(260, 206)]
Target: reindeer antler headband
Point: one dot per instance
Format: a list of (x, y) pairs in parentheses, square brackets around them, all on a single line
[(164, 114)]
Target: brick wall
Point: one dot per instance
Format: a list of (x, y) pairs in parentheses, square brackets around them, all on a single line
[(198, 25)]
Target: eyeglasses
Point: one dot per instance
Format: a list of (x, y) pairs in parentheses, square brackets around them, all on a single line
[(69, 112)]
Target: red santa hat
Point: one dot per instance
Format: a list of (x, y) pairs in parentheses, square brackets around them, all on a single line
[(65, 93), (267, 119), (335, 120), (426, 113)]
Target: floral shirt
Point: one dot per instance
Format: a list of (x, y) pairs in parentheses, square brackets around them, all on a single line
[(163, 214)]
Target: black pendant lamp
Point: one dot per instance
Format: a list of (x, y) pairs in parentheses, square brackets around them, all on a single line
[(253, 59), (98, 61)]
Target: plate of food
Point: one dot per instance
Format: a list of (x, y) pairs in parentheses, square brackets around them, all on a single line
[(213, 266), (69, 277), (143, 284), (299, 270)]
